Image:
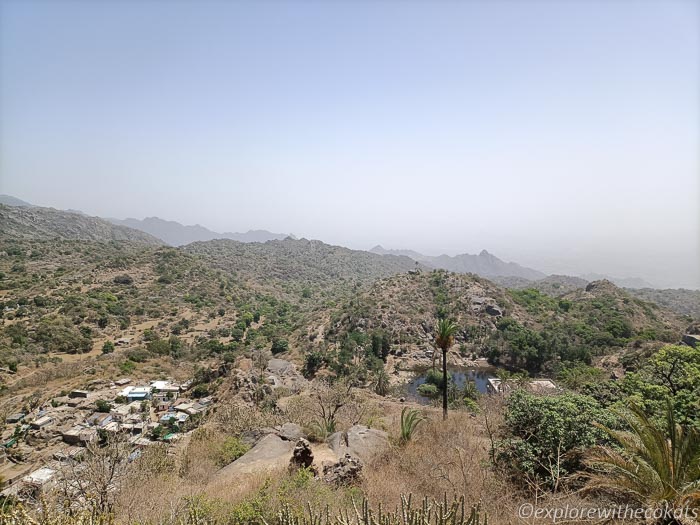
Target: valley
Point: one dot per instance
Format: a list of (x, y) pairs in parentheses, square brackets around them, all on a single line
[(228, 360)]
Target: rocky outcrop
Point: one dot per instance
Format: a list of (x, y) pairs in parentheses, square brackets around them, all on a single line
[(284, 374), (287, 432), (493, 310), (692, 340), (290, 432), (345, 472), (360, 442), (37, 223), (278, 374), (302, 455)]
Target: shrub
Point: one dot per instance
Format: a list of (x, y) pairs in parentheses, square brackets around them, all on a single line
[(410, 419), (138, 355), (200, 391), (231, 449), (312, 363), (123, 279), (127, 367), (546, 436), (108, 347), (434, 377), (103, 406), (279, 346), (58, 334), (428, 390)]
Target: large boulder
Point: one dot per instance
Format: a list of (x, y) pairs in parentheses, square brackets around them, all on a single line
[(494, 310), (253, 436), (360, 442), (692, 340), (284, 374), (270, 453), (290, 432)]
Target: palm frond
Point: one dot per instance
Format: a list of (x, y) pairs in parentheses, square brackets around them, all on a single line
[(445, 331), (653, 464)]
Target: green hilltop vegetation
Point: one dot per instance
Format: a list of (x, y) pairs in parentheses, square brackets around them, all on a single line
[(520, 329)]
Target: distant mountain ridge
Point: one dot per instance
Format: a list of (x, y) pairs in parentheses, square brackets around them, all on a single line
[(159, 231), (35, 223), (176, 234), (485, 264)]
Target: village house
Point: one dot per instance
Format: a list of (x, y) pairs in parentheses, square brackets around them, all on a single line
[(206, 401), (183, 407), (165, 386), (138, 393), (494, 386), (75, 402), (78, 393), (79, 435), (15, 418), (112, 427), (99, 419), (68, 454), (141, 442), (40, 477), (176, 417), (41, 422), (32, 484), (122, 412), (161, 405)]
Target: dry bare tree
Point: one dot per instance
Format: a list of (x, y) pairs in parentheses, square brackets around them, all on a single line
[(95, 479)]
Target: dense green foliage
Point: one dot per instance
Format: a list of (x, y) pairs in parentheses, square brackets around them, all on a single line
[(570, 330), (546, 436), (671, 375)]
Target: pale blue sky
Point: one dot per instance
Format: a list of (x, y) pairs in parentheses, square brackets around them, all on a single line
[(563, 135)]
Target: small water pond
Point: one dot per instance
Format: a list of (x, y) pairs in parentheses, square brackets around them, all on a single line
[(460, 376)]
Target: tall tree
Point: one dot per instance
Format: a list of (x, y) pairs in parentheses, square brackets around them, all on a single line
[(444, 340)]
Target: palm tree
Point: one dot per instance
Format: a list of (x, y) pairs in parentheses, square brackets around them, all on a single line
[(381, 383), (653, 465), (445, 339)]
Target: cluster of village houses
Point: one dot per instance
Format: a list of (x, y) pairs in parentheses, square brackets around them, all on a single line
[(37, 445)]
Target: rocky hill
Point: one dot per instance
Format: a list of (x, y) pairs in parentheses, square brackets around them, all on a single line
[(70, 296), (519, 328), (682, 301), (299, 262), (34, 223)]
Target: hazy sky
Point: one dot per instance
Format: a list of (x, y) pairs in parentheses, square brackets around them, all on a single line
[(562, 135)]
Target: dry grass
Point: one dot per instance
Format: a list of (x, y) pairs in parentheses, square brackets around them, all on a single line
[(443, 457)]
